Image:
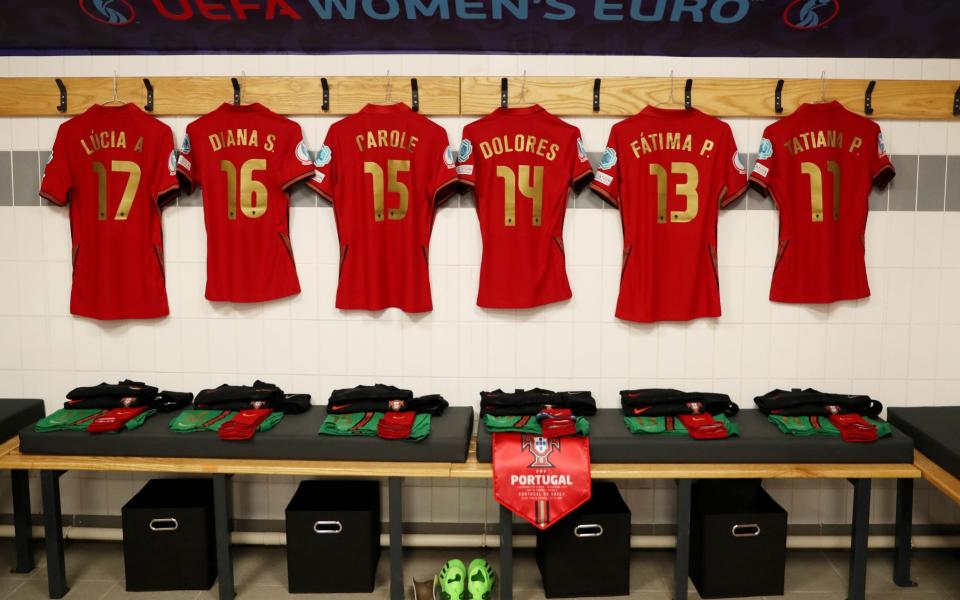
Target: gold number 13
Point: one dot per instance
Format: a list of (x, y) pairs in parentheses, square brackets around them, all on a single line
[(394, 186), (816, 188), (687, 189), (249, 188), (129, 192), (533, 190)]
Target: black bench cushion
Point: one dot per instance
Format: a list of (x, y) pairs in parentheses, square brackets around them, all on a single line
[(934, 432), (759, 442), (294, 438), (17, 413)]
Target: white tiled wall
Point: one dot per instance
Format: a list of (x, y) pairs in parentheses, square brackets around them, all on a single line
[(902, 345)]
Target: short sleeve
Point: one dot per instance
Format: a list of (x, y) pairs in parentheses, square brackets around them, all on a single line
[(765, 166), (187, 165), (296, 163), (733, 173), (466, 161), (164, 186), (324, 180), (57, 178), (443, 183), (579, 168), (606, 181), (881, 169)]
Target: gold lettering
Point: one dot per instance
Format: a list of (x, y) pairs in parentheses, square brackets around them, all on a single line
[(552, 153), (215, 142), (139, 146), (271, 140), (688, 143), (636, 148), (486, 150), (707, 148), (122, 140), (673, 141), (644, 145), (856, 143)]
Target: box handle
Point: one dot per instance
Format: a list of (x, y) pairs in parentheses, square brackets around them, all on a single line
[(588, 530), (327, 527), (168, 524), (745, 530)]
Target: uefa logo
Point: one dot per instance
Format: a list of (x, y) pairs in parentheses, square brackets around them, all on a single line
[(109, 12), (811, 14)]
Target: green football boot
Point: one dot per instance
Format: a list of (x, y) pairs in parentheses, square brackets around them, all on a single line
[(480, 578), (449, 583)]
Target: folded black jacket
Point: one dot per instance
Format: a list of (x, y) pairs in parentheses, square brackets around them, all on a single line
[(529, 402), (126, 393), (667, 403), (259, 395), (383, 398), (168, 401), (810, 402)]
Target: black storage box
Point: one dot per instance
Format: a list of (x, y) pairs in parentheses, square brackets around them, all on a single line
[(333, 537), (738, 540), (168, 536), (587, 553)]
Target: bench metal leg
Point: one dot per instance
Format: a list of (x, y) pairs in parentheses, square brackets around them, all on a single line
[(221, 520), (902, 554), (53, 533), (681, 567), (395, 487), (22, 522), (859, 538), (506, 554)]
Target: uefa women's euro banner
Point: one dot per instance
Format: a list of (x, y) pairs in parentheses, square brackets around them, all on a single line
[(850, 28)]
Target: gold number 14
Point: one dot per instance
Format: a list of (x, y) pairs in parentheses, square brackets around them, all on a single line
[(533, 190)]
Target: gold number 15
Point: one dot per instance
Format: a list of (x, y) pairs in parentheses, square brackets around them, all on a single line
[(393, 186)]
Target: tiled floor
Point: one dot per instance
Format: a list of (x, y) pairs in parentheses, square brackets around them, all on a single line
[(95, 571)]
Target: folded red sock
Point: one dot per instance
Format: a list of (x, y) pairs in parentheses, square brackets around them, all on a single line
[(557, 422), (854, 428), (704, 427), (114, 419), (396, 425), (244, 425)]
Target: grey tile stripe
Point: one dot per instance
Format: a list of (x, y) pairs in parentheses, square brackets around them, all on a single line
[(923, 183)]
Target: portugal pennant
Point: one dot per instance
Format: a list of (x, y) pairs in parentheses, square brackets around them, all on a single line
[(541, 479)]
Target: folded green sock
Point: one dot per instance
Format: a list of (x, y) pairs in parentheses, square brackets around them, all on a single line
[(67, 419), (671, 425), (189, 421), (527, 424)]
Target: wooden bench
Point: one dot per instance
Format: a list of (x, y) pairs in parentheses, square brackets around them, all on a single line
[(859, 475), (937, 457)]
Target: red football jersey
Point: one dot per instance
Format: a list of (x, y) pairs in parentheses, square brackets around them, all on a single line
[(245, 158), (669, 171), (116, 166), (522, 163), (818, 164), (385, 169)]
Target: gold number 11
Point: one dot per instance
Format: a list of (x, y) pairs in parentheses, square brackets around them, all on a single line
[(816, 188)]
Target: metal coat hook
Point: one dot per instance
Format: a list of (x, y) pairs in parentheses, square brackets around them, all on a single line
[(868, 98), (504, 93), (116, 95), (149, 105), (236, 90), (956, 102), (596, 95), (325, 106), (62, 107), (778, 98), (414, 94), (687, 95)]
